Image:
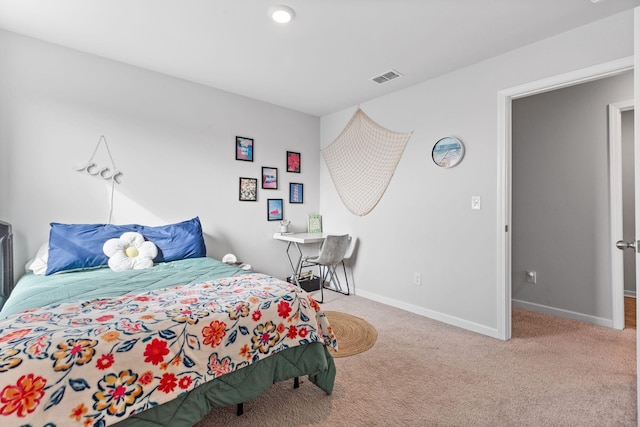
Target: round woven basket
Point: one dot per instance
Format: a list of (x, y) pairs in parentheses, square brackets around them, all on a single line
[(354, 334)]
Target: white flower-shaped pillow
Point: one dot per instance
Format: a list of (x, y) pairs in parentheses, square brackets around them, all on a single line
[(130, 252)]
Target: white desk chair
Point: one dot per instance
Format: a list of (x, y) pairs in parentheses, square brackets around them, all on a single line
[(332, 253)]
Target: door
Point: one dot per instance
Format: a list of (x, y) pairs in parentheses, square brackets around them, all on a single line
[(622, 204), (636, 147)]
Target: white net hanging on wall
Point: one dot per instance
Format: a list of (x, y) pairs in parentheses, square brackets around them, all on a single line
[(362, 160)]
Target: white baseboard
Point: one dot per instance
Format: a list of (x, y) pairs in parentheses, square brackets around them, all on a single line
[(567, 314), (444, 318), (630, 294), (483, 329)]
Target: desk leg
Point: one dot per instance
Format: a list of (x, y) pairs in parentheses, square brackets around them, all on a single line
[(295, 270), (299, 265)]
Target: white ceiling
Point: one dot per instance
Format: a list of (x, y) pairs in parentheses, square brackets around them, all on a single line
[(322, 61)]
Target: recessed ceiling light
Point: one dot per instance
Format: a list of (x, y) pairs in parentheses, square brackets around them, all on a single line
[(281, 14)]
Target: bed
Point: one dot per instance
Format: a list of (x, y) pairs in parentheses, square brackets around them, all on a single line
[(157, 346)]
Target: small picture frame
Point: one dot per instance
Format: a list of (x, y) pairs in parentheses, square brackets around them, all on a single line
[(296, 192), (314, 224), (269, 178), (244, 149), (293, 162), (274, 210), (248, 189)]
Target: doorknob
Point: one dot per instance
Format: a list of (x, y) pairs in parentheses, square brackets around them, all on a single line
[(622, 245)]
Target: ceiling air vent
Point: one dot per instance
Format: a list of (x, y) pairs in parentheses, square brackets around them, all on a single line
[(389, 75)]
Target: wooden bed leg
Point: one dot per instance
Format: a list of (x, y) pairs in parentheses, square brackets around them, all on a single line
[(296, 382), (240, 410)]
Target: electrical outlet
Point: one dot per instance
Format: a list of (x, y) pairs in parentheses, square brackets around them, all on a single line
[(417, 278), (531, 276)]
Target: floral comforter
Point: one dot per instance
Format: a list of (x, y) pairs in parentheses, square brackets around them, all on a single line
[(96, 362)]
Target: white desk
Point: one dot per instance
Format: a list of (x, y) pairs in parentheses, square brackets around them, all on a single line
[(297, 239)]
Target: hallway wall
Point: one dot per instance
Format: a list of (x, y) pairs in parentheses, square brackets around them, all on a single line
[(560, 211)]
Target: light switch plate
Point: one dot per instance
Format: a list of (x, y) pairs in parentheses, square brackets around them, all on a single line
[(476, 202)]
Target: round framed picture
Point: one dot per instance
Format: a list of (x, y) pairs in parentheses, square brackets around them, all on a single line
[(447, 152)]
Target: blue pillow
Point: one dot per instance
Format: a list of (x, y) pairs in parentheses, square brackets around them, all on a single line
[(78, 246)]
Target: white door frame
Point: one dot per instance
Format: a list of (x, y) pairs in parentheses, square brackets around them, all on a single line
[(615, 204), (505, 98)]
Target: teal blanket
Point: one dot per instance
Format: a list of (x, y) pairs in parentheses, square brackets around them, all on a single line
[(33, 291)]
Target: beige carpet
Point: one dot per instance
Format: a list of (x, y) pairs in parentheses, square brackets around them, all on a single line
[(420, 372), (354, 334)]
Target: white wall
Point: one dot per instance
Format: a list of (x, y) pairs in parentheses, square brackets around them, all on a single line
[(424, 222), (173, 140), (560, 187)]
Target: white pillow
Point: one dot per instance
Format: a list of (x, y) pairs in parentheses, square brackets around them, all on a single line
[(130, 252), (38, 265)]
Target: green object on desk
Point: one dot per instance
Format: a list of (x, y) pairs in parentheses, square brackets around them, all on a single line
[(314, 223)]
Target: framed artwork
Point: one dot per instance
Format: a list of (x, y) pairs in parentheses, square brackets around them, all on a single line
[(447, 152), (248, 189), (293, 162), (274, 210), (314, 223), (269, 178), (244, 149), (295, 192)]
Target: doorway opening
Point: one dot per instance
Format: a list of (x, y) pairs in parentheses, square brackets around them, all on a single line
[(505, 99)]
